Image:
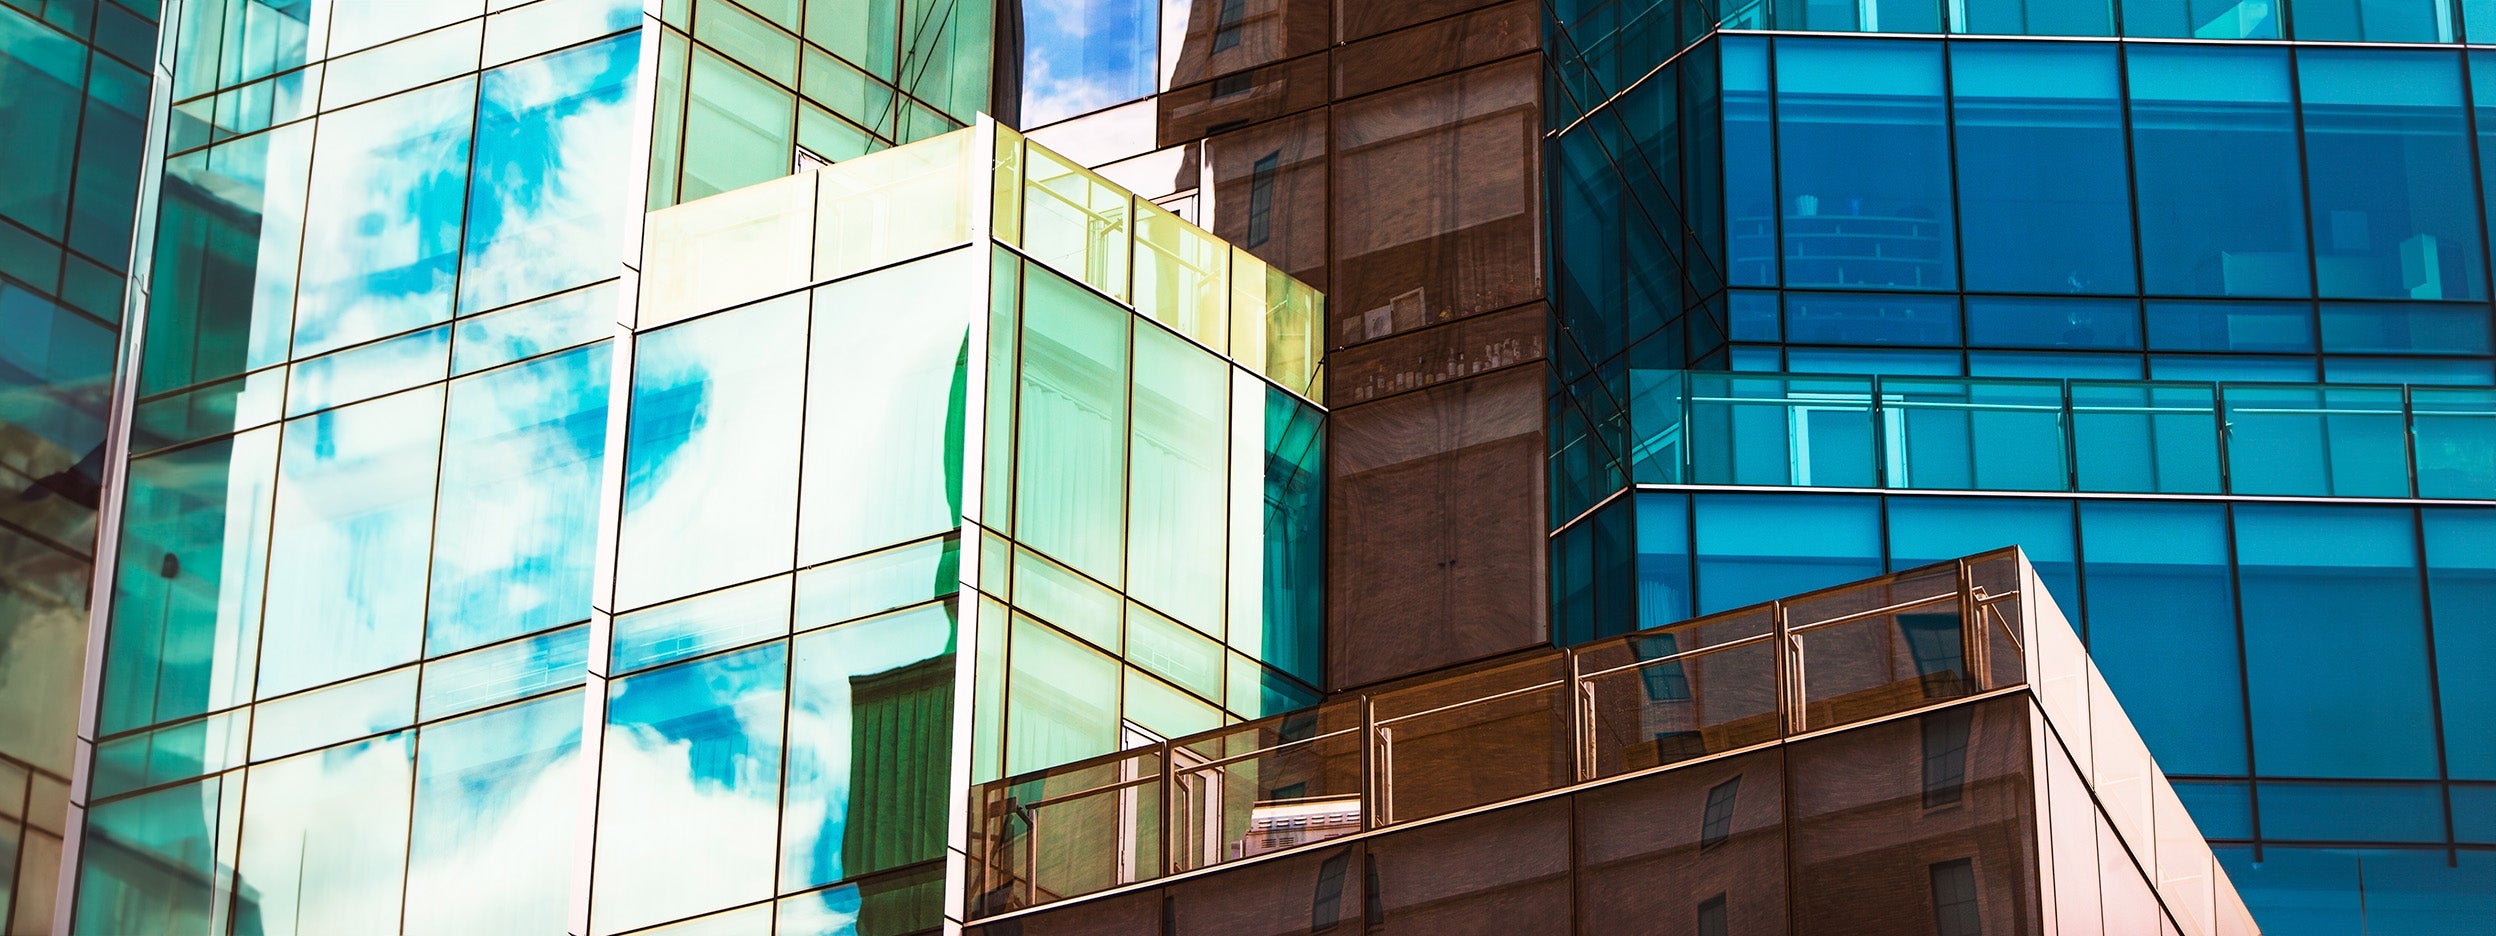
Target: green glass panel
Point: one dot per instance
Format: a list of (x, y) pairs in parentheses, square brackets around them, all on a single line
[(1062, 701), (869, 584), (948, 56), (866, 32), (1060, 596), (1075, 221), (667, 123), (228, 237), (1181, 276), (150, 865), (1290, 634), (45, 73), (1070, 456), (870, 747), (891, 472), (747, 39), (739, 129), (1174, 652), (830, 137), (1166, 711), (849, 92), (988, 692), (1005, 282), (1256, 692), (186, 595), (1175, 485)]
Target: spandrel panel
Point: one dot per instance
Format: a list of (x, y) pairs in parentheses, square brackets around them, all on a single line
[(727, 250), (2324, 706), (550, 151), (228, 237), (501, 673), (232, 405), (513, 537), (368, 371), (381, 237), (497, 799), (1070, 456), (890, 472), (900, 204), (2234, 233), (353, 521), (324, 841), (1502, 872), (711, 461), (855, 588), (903, 902), (689, 789), (533, 328), (870, 747), (188, 589), (334, 713), (1176, 479), (717, 620)]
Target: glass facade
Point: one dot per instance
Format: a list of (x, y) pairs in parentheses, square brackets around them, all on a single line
[(2200, 324)]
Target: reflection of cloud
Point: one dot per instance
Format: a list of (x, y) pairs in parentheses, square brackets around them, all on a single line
[(1048, 97), (498, 800), (671, 844), (381, 241), (544, 212), (347, 564), (1083, 55), (325, 838), (512, 550)]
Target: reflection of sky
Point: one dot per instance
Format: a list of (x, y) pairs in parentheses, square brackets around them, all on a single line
[(543, 213), (689, 789), (325, 838), (518, 516), (821, 744), (496, 797), (381, 243), (1083, 55)]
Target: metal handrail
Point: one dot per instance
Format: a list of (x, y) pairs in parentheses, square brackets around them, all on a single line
[(1853, 616), (1668, 658)]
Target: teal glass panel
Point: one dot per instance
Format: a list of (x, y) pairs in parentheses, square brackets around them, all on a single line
[(514, 539), (381, 235), (511, 670), (866, 32), (1830, 318), (1174, 652), (729, 617), (2030, 322), (1256, 692), (348, 557), (739, 128), (1058, 595), (1662, 562), (1061, 700), (1992, 435), (1175, 491), (711, 459), (112, 141), (2417, 371), (2329, 701), (2201, 19), (2145, 438), (905, 902), (190, 749), (878, 582), (2331, 441), (2353, 812), (1070, 457), (1912, 16), (1753, 548), (1782, 430), (1864, 164), (2455, 434), (2057, 365), (949, 56), (550, 146), (2373, 21), (228, 236), (46, 73), (1749, 161), (2220, 809), (1163, 710), (56, 374), (2405, 328), (324, 844), (228, 42), (1288, 629), (747, 39), (149, 863), (367, 371), (186, 593), (2232, 367), (870, 747), (2386, 145), (334, 713), (891, 472), (1926, 530), (2034, 18), (2237, 231), (2044, 202), (689, 789), (497, 800), (2461, 591), (534, 328), (2186, 325)]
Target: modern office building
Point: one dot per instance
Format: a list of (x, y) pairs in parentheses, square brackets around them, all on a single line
[(605, 467)]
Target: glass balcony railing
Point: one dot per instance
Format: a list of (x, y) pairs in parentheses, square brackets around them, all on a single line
[(1984, 434), (1516, 730)]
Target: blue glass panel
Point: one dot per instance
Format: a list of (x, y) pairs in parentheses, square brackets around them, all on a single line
[(1925, 530), (890, 473), (1873, 361), (689, 789), (870, 747), (2044, 203), (496, 802), (2461, 589), (2373, 20), (2460, 372), (2214, 148), (2095, 365), (2386, 147), (2036, 17), (1663, 570), (2202, 19), (347, 560), (2335, 648), (514, 539), (45, 71), (1081, 57), (2160, 625), (2336, 441), (2144, 437), (2474, 813), (1753, 316), (1754, 548), (2185, 325), (550, 143), (711, 463), (2353, 812), (1750, 185), (2315, 891), (1781, 430), (2221, 809), (1863, 164), (1991, 435), (2000, 322), (2298, 891), (1291, 636), (2405, 328), (1826, 318), (2232, 367), (381, 231), (2455, 432)]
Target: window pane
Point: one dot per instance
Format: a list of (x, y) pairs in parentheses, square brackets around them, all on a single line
[(2214, 150), (496, 797), (2461, 582), (325, 839), (890, 472), (1750, 186), (1864, 161), (228, 235), (45, 72), (866, 32), (689, 789), (1278, 559), (520, 467), (150, 862), (2160, 626), (2231, 326), (1175, 484), (186, 599), (1925, 530), (738, 128), (710, 467), (1756, 548), (2201, 19), (870, 747), (2334, 441), (1071, 457), (2374, 20), (2043, 196), (347, 564), (1079, 58), (381, 238), (2386, 147), (1061, 701), (2003, 322), (550, 147), (2330, 698), (2144, 437)]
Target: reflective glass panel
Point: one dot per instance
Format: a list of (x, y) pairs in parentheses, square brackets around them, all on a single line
[(324, 840), (1864, 164), (381, 237), (689, 789), (2214, 150), (550, 153), (870, 747), (497, 799), (514, 536), (1071, 454), (1061, 700), (2461, 585), (889, 471), (1755, 548), (2044, 202), (2331, 698), (228, 236), (1175, 483), (739, 128), (2386, 145), (2158, 626), (194, 550), (1081, 57)]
